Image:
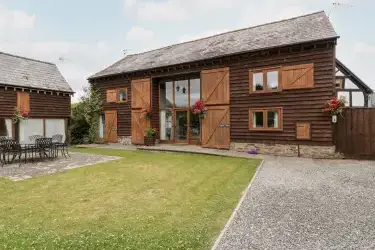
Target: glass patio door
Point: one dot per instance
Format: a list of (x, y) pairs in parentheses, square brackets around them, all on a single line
[(177, 123)]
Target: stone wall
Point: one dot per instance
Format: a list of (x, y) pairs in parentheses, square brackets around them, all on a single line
[(124, 140), (320, 152)]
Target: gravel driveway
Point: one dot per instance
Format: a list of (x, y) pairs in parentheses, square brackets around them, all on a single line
[(298, 203)]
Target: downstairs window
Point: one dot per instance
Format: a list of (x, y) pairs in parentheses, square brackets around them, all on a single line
[(269, 119)]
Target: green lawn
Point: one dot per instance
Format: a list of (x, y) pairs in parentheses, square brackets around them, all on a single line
[(143, 201)]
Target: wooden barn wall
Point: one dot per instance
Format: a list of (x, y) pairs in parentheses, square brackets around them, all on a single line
[(123, 109), (300, 105), (8, 100), (41, 105)]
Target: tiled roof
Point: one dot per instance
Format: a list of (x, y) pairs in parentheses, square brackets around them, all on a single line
[(308, 28), (29, 73)]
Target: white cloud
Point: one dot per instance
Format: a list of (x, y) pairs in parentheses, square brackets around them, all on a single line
[(15, 19), (130, 3), (139, 34), (162, 11)]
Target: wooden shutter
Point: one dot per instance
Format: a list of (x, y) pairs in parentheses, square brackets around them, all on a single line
[(141, 93), (111, 95), (23, 101), (215, 86), (303, 130), (298, 76)]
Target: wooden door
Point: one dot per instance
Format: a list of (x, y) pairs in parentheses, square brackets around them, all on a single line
[(215, 93), (216, 128), (141, 98), (111, 126), (139, 124)]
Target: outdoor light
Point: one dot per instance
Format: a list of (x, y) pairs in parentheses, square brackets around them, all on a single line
[(184, 90), (178, 88)]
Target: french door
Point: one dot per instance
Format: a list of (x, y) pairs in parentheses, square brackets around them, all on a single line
[(177, 123)]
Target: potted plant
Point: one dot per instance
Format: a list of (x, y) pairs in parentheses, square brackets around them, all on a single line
[(334, 107), (199, 108), (150, 136), (146, 113)]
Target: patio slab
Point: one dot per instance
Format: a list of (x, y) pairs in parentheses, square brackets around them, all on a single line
[(24, 171)]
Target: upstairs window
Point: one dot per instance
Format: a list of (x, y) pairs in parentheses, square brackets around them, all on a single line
[(122, 95), (267, 80), (266, 119)]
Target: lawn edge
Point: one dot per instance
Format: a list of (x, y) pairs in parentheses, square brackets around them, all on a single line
[(235, 211)]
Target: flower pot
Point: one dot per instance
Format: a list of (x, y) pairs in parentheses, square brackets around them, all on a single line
[(334, 118), (149, 140)]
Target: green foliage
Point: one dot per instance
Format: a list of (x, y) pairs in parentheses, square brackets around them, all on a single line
[(80, 127), (92, 106), (151, 131), (86, 117)]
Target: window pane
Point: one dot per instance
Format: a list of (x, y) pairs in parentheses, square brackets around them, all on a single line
[(258, 81), (122, 95), (195, 127), (272, 80), (346, 95), (166, 95), (29, 128), (166, 131), (55, 127), (358, 99), (273, 119), (195, 91), (258, 119), (181, 93)]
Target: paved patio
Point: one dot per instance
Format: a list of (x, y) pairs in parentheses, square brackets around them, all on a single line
[(296, 203), (24, 171)]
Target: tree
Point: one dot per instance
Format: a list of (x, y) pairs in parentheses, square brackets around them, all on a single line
[(85, 117), (92, 106)]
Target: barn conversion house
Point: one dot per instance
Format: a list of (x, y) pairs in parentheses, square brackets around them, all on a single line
[(264, 87), (40, 93)]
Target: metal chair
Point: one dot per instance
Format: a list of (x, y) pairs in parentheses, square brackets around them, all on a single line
[(45, 147), (59, 145), (34, 137), (9, 150)]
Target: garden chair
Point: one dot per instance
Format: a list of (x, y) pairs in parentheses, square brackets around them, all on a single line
[(9, 150), (60, 145), (45, 147), (33, 138)]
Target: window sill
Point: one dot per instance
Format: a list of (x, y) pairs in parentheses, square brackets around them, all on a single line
[(122, 102), (266, 129), (264, 92)]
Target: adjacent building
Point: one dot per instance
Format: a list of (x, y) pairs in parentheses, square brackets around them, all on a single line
[(39, 90)]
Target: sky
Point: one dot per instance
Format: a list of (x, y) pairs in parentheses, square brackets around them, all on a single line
[(84, 36)]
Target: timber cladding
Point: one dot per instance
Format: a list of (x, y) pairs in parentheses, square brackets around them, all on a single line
[(41, 105), (302, 104)]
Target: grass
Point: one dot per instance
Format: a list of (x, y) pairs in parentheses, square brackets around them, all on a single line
[(143, 201)]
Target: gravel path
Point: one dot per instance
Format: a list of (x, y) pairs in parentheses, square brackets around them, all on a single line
[(299, 203), (24, 171)]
